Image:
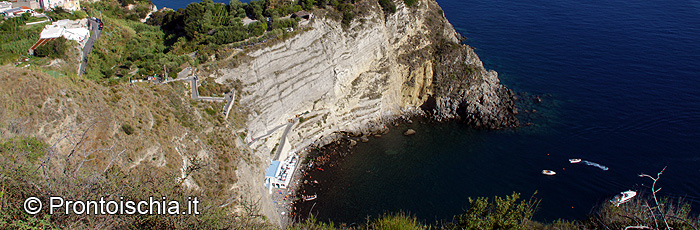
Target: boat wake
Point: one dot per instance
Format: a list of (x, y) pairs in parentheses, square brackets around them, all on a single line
[(603, 167)]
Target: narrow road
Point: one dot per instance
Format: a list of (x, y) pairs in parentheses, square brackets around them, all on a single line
[(230, 99), (195, 91), (95, 32), (267, 134), (282, 140)]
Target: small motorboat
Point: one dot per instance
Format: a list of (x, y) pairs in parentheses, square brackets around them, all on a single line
[(548, 172), (309, 198), (575, 160), (623, 197)]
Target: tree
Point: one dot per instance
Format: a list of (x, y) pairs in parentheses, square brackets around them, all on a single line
[(12, 24), (307, 4), (388, 6), (257, 28), (26, 16), (410, 3), (501, 213), (255, 10), (194, 11), (55, 48), (234, 5), (229, 34)]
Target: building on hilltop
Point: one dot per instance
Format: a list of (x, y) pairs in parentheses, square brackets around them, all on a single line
[(70, 5), (32, 4), (18, 11), (279, 173), (302, 14), (4, 6), (76, 30)]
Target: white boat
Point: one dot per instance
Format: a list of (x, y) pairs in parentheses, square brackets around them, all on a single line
[(623, 197), (575, 160), (548, 172), (308, 198)]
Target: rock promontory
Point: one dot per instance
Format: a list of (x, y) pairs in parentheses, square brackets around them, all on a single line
[(332, 78)]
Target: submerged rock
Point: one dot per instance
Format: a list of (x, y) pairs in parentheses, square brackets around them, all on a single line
[(364, 139), (409, 132)]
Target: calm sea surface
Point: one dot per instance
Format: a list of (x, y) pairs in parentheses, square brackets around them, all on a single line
[(620, 86)]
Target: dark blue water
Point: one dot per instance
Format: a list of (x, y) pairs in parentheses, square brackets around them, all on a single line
[(620, 86), (175, 4)]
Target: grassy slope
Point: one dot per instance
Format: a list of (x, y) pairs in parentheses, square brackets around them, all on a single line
[(84, 121)]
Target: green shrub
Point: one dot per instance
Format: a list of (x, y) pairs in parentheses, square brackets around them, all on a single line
[(396, 221), (127, 129), (501, 213), (210, 111), (59, 13), (410, 3), (388, 6), (347, 18), (257, 28), (54, 49), (30, 147)]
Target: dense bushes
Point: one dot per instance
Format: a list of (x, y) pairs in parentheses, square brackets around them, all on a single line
[(207, 22), (211, 88), (126, 46), (16, 38), (388, 6), (410, 3), (59, 13), (54, 48), (642, 212), (117, 9), (501, 213)]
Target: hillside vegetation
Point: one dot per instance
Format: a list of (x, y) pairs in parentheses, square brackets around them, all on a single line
[(101, 135), (66, 136)]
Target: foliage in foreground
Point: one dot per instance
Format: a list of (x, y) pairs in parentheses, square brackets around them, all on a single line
[(16, 38), (398, 221), (643, 212), (20, 179), (89, 156), (501, 213)]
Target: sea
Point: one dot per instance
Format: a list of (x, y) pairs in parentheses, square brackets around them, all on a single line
[(614, 82)]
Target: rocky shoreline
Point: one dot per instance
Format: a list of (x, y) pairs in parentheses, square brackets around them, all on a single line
[(311, 175), (466, 91), (354, 81)]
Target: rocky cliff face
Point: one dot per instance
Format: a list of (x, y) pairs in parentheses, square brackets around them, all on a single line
[(354, 78)]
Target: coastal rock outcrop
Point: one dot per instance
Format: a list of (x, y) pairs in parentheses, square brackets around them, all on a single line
[(466, 91), (334, 78)]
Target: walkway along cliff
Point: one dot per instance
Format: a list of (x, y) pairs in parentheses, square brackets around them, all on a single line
[(355, 78)]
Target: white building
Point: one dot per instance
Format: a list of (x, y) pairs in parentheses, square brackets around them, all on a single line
[(279, 174), (76, 30), (18, 11), (5, 6), (72, 30), (70, 5), (32, 4)]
